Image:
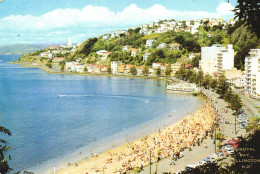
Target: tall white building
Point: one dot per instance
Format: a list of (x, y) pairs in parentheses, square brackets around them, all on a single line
[(252, 72), (69, 42), (217, 58), (225, 59), (114, 65)]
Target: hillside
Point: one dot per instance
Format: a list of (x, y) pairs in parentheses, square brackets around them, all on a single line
[(173, 41)]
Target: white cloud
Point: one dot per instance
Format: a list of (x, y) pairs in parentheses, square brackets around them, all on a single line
[(99, 18), (225, 8), (93, 16)]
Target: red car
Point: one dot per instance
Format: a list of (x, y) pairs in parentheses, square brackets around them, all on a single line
[(234, 142)]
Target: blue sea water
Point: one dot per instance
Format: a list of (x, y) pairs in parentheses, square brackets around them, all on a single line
[(49, 115)]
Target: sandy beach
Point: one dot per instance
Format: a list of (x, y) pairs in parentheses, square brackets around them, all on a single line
[(169, 141)]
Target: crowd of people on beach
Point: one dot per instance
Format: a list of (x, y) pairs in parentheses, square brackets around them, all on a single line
[(168, 142)]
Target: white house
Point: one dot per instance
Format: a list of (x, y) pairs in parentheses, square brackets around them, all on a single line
[(162, 46), (47, 54), (191, 56), (70, 66), (101, 52), (91, 68), (145, 56), (79, 68), (150, 42), (117, 33), (106, 36), (126, 48), (156, 65)]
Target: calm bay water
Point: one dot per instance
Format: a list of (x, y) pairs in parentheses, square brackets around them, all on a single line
[(49, 115)]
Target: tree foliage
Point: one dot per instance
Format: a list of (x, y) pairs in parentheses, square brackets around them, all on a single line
[(145, 71), (243, 40), (249, 10), (222, 86), (133, 70), (235, 102), (4, 148)]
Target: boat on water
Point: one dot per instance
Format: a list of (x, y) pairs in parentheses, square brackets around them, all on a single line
[(59, 95), (182, 88)]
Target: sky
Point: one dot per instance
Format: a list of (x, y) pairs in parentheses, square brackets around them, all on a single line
[(54, 21)]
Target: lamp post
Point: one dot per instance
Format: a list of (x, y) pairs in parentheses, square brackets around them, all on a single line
[(236, 123), (215, 137), (150, 163)]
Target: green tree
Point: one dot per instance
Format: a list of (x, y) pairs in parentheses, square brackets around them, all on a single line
[(182, 72), (168, 71), (158, 71), (62, 65), (205, 82), (220, 137), (235, 102), (48, 64), (145, 71), (249, 10), (243, 40), (195, 61), (133, 70), (4, 148), (222, 86), (199, 77), (254, 124), (213, 83), (109, 71), (85, 69), (228, 95)]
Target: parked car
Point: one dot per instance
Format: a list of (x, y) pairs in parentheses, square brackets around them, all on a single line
[(190, 166), (200, 163), (221, 156), (206, 160), (234, 142), (230, 152), (211, 159), (240, 111), (242, 125), (227, 147)]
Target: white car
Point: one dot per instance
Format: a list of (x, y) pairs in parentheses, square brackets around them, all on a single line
[(190, 166), (211, 159), (230, 152), (200, 163)]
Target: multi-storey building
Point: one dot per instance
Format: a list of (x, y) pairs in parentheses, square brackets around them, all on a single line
[(217, 58), (175, 67), (225, 59), (114, 66), (252, 72)]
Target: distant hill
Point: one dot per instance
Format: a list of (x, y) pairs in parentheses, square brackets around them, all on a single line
[(21, 48)]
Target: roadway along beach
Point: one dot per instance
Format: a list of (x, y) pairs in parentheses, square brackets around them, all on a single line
[(186, 133)]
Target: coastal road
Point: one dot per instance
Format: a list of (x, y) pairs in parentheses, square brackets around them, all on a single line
[(248, 106)]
